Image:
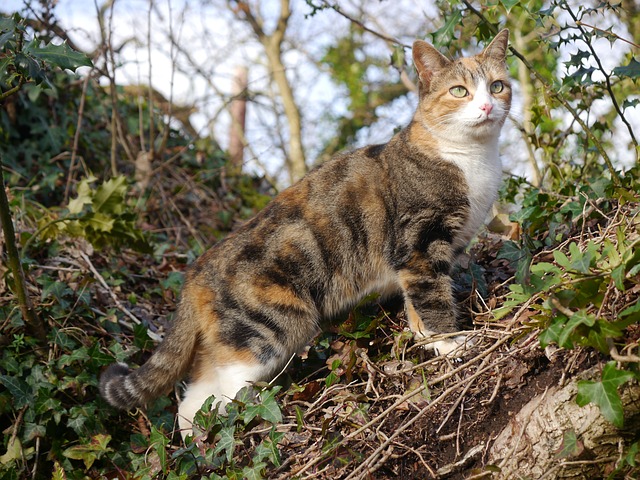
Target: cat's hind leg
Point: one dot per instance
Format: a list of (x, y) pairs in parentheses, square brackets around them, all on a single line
[(224, 381)]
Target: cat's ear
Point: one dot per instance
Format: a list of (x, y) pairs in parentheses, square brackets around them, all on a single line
[(497, 49), (427, 60)]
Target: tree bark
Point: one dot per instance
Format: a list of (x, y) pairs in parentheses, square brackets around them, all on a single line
[(530, 445), (32, 321), (238, 112)]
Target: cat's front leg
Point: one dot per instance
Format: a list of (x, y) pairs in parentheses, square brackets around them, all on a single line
[(429, 301)]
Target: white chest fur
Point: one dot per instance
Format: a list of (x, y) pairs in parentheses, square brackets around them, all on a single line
[(482, 169)]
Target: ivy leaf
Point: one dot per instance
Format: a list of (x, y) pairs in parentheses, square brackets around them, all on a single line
[(581, 317), (561, 259), (580, 262), (90, 452), (61, 55), (227, 442), (570, 447), (605, 393), (618, 276), (15, 452), (58, 472), (552, 332), (159, 442), (254, 472), (268, 449), (267, 409), (20, 390), (633, 312), (631, 70)]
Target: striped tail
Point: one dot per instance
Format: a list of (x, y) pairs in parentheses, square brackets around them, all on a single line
[(125, 389)]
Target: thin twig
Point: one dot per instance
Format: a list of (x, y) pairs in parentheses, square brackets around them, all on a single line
[(76, 135), (113, 296)]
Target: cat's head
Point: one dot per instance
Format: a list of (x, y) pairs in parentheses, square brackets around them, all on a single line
[(465, 97)]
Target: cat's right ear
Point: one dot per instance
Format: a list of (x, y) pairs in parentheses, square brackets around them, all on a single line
[(427, 60)]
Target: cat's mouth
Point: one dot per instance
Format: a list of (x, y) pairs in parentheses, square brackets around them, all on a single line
[(484, 120)]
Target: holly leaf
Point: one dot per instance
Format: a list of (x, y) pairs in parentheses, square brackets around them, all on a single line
[(605, 393), (62, 55), (445, 34), (109, 197), (509, 4), (631, 70)]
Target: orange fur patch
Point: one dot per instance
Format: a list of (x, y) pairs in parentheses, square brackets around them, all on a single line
[(279, 295), (415, 322)]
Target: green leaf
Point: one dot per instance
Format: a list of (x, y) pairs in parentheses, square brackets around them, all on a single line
[(630, 459), (445, 34), (58, 472), (631, 70), (227, 442), (580, 261), (618, 275), (561, 259), (605, 393), (633, 312), (571, 447), (28, 67), (100, 222), (61, 55), (20, 390), (268, 408), (159, 442), (109, 196), (581, 317), (509, 4), (89, 453), (552, 332), (5, 37), (254, 472), (268, 448), (15, 453)]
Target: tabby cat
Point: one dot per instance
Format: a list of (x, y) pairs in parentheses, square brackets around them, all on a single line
[(385, 218)]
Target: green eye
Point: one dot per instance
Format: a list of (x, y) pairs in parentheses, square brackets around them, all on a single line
[(497, 87), (459, 91)]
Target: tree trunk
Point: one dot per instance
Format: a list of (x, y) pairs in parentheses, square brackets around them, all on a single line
[(537, 442), (272, 43), (238, 112)]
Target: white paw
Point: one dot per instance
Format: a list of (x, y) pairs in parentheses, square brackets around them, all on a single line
[(453, 347)]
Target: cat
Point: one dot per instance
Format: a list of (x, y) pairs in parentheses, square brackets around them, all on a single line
[(388, 218)]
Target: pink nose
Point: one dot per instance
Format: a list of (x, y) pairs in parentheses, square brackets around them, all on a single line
[(487, 107)]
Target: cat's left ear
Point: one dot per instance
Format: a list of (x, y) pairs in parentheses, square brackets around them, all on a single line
[(497, 49)]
